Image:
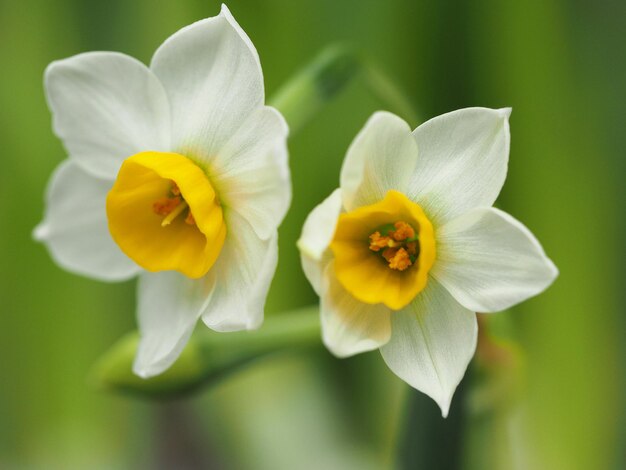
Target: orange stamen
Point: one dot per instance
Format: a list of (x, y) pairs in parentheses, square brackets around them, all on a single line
[(171, 207), (400, 261), (165, 205), (377, 242), (403, 231), (189, 220)]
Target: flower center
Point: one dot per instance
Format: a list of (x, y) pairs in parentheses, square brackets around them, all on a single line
[(164, 214), (171, 206), (383, 252), (397, 243)]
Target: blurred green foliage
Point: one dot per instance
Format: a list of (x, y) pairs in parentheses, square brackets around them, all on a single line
[(558, 63)]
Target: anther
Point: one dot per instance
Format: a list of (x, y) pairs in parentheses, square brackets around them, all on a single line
[(377, 242), (165, 205), (400, 261), (189, 220)]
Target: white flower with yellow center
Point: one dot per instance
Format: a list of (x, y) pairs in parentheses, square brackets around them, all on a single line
[(409, 247), (178, 174)]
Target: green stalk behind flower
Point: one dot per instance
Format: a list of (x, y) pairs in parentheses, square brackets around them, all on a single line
[(336, 67), (208, 357)]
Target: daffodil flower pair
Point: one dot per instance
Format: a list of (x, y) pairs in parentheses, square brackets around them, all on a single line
[(177, 173)]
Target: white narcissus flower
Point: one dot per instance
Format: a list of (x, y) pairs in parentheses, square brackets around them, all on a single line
[(409, 247), (177, 173)]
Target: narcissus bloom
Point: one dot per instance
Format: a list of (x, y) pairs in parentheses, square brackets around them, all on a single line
[(177, 173), (409, 247)]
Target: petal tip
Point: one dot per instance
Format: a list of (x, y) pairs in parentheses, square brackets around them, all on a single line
[(553, 271), (442, 399), (308, 251), (255, 324), (505, 112), (387, 115), (48, 70), (53, 66), (443, 402), (143, 371), (444, 409), (146, 368), (228, 16), (382, 113), (283, 122), (337, 352), (224, 326), (40, 232), (225, 12)]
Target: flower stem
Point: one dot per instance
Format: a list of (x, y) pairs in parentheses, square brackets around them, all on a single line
[(318, 83), (387, 92), (332, 71), (208, 357), (425, 439)]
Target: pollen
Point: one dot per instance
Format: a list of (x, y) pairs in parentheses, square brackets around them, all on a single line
[(172, 206), (398, 244), (165, 205), (399, 260), (189, 220), (403, 231), (378, 242)]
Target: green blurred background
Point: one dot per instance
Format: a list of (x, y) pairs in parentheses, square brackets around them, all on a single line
[(556, 403)]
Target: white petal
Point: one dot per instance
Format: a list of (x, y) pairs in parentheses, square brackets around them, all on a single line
[(462, 164), (169, 305), (432, 343), (319, 227), (212, 76), (251, 171), (242, 276), (106, 107), (489, 261), (75, 227), (317, 233), (348, 326), (381, 157), (314, 269)]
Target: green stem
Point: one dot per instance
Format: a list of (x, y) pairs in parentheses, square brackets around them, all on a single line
[(425, 439), (493, 402), (308, 91), (208, 357), (387, 92), (331, 72)]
